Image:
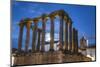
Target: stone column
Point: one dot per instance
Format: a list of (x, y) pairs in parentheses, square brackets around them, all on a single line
[(66, 35), (34, 35), (61, 31), (27, 35), (76, 40), (43, 32), (52, 34), (69, 35), (21, 25), (39, 39), (73, 40)]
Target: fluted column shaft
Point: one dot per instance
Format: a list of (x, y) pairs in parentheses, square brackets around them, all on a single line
[(52, 34), (61, 32), (73, 40), (66, 36), (43, 33), (76, 40), (34, 36), (38, 43), (20, 37), (69, 35), (27, 36)]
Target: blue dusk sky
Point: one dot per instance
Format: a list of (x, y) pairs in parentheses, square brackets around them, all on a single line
[(83, 17)]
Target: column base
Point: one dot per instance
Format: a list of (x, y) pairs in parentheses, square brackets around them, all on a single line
[(33, 51), (51, 50), (65, 51), (42, 51), (19, 51)]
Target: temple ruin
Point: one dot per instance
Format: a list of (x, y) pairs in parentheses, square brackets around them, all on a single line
[(68, 41)]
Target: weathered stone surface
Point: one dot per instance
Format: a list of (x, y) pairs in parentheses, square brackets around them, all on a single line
[(49, 57)]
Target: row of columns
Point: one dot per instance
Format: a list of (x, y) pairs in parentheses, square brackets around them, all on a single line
[(69, 41)]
